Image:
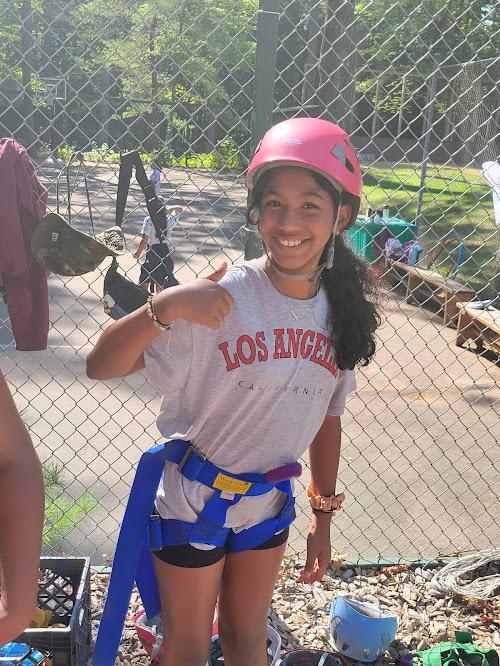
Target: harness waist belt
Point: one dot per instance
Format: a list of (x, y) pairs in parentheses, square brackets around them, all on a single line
[(194, 466)]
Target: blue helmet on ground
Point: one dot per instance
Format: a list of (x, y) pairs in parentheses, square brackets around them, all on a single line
[(359, 631)]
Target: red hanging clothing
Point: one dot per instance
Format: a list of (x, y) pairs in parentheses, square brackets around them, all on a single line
[(22, 205)]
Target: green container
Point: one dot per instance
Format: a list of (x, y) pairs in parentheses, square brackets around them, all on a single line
[(360, 236)]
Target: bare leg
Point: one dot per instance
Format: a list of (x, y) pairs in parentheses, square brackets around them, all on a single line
[(188, 598), (246, 593)]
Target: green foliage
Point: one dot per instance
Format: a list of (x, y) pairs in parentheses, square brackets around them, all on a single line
[(62, 513), (52, 478), (225, 156), (101, 153), (95, 154)]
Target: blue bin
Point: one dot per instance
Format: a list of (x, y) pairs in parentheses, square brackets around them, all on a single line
[(361, 235)]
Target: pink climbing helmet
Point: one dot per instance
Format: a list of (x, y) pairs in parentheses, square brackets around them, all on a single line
[(311, 143)]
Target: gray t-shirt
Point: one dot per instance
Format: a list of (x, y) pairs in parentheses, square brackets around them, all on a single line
[(250, 396)]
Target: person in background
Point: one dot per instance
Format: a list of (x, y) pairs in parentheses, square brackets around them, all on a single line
[(21, 520), (155, 177), (158, 266)]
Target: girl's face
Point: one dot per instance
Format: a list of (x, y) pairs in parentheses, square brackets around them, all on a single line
[(297, 218)]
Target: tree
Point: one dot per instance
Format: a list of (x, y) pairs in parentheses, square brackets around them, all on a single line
[(338, 64)]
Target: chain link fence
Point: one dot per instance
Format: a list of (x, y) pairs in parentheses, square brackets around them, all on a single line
[(194, 85)]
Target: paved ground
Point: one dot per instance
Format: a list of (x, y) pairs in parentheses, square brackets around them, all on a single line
[(421, 459)]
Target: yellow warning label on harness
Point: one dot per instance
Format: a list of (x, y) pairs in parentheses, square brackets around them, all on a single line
[(230, 485)]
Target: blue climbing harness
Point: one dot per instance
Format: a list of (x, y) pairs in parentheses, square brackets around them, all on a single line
[(228, 490), (141, 532)]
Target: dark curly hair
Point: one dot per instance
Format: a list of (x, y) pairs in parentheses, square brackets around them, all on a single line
[(350, 286)]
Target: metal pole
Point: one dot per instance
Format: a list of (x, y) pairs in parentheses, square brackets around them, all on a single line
[(375, 110), (265, 74), (401, 107), (427, 137), (313, 46)]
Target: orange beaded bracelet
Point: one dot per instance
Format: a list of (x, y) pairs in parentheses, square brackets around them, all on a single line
[(331, 503)]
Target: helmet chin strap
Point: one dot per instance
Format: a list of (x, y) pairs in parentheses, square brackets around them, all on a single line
[(315, 274)]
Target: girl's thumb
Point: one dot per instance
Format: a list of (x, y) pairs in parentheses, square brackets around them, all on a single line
[(219, 273)]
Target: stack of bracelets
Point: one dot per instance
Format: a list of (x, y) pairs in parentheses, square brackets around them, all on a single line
[(150, 307), (322, 504)]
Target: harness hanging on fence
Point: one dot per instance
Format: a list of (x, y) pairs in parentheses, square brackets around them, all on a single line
[(140, 531), (120, 295), (155, 207)]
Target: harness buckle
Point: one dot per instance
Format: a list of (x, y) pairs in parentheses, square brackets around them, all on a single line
[(190, 449), (154, 532)]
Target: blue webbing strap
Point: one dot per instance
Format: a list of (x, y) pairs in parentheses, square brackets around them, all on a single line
[(196, 468), (127, 554), (170, 532), (133, 559), (249, 538)]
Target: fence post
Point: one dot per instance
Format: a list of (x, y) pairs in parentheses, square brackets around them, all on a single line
[(265, 73)]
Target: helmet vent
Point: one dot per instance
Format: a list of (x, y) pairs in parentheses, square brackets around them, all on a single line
[(385, 639), (366, 653), (339, 151), (352, 149), (349, 166), (345, 646)]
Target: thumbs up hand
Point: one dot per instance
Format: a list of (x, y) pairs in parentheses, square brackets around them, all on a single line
[(202, 301)]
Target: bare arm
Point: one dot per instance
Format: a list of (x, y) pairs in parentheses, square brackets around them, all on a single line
[(119, 350), (21, 520), (142, 244), (324, 456)]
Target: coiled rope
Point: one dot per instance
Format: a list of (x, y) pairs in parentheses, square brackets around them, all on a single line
[(446, 580)]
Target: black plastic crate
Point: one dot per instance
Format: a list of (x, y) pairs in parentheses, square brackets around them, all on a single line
[(67, 594)]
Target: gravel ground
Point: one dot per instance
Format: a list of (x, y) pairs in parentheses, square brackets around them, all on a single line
[(299, 612)]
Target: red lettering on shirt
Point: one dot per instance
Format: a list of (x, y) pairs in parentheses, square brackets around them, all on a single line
[(230, 364), (293, 341), (333, 367), (316, 347), (315, 356), (306, 349), (259, 340), (249, 359), (279, 344)]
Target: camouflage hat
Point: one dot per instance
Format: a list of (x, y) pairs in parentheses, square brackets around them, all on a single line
[(63, 250)]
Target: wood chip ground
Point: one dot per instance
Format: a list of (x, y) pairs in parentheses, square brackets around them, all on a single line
[(300, 613)]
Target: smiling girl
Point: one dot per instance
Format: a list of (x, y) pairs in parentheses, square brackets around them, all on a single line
[(254, 365)]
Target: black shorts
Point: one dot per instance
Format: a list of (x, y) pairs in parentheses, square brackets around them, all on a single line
[(189, 557), (158, 266)]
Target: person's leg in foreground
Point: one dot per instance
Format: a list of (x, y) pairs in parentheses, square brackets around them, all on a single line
[(188, 598), (246, 592)]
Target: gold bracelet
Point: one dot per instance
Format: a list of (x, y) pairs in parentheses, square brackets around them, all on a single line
[(322, 503), (150, 306)]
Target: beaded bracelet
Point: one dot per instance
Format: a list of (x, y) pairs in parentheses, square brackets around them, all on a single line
[(150, 306), (322, 503)]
